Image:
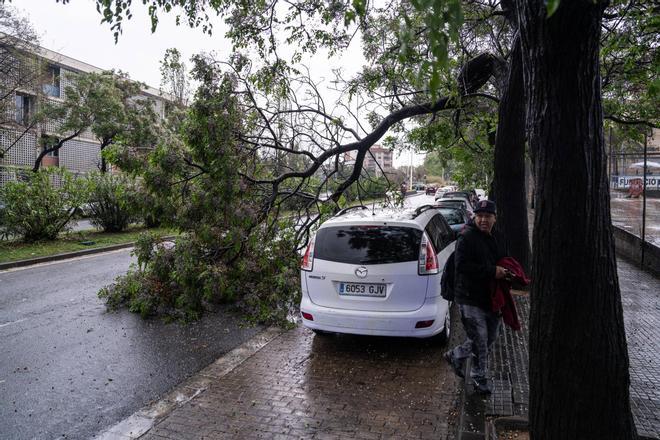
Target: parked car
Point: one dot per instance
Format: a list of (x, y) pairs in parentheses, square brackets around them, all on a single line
[(456, 203), (440, 193), (464, 195), (457, 218), (378, 273), (430, 190)]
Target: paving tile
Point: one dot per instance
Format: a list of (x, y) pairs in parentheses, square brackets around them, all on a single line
[(338, 387), (640, 297)]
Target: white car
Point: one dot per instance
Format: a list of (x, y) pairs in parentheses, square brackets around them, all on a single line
[(378, 273), (456, 202)]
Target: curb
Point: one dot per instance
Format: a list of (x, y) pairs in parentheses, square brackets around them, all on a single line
[(68, 255), (143, 420), (508, 422)]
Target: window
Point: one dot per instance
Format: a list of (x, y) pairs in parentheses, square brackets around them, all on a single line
[(442, 233), (47, 142), (23, 109), (368, 244), (453, 216), (456, 203), (51, 86), (435, 235)]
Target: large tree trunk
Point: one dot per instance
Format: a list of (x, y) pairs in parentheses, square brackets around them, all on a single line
[(578, 355), (512, 227)]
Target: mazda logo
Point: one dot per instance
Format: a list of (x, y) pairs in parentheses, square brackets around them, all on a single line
[(361, 272)]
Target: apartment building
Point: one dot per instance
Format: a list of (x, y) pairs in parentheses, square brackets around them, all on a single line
[(379, 161), (21, 142)]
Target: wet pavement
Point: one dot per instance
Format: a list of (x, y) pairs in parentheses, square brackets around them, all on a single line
[(640, 297), (627, 214), (307, 386), (68, 369)]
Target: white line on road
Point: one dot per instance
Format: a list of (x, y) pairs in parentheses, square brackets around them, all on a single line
[(13, 322), (143, 420)]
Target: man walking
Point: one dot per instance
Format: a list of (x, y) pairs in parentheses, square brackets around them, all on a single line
[(475, 261)]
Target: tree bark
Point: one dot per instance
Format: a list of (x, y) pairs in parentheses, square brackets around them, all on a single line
[(578, 355), (510, 194)]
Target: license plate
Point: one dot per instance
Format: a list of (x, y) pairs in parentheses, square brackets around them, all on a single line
[(362, 289)]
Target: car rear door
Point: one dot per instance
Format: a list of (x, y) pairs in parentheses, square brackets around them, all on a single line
[(367, 267)]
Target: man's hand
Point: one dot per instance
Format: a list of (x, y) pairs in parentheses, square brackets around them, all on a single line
[(500, 273)]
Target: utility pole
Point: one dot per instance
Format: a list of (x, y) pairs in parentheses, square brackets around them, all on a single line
[(411, 169), (644, 202)]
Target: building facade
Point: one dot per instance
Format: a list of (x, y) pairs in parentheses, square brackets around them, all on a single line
[(377, 161), (21, 140)]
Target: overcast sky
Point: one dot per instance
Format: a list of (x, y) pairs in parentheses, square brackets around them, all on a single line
[(75, 30)]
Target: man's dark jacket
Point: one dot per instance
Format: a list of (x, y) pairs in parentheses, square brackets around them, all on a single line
[(475, 257)]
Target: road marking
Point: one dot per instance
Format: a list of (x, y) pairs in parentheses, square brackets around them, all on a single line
[(13, 322), (142, 421)]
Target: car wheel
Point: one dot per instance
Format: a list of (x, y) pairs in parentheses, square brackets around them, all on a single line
[(442, 338)]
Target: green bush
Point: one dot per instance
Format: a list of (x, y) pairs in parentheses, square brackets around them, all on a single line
[(113, 201), (41, 205), (150, 208)]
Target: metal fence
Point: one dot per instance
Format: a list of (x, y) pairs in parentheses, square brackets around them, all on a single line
[(634, 177)]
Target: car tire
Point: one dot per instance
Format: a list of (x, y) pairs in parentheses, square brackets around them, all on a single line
[(442, 338)]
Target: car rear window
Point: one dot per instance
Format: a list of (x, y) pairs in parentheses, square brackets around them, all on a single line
[(368, 244), (456, 194), (452, 204), (452, 216)]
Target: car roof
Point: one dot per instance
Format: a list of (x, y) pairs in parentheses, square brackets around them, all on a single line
[(383, 216), (452, 199)]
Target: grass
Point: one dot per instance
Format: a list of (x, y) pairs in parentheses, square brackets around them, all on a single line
[(15, 250)]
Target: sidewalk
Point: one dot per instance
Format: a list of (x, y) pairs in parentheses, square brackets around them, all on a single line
[(640, 295), (298, 385)]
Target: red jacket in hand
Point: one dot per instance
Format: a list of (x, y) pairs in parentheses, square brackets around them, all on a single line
[(501, 299)]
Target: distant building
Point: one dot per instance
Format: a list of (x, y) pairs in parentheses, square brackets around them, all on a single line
[(79, 155), (377, 160)]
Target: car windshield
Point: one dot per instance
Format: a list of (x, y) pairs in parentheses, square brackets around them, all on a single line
[(453, 216), (368, 244)]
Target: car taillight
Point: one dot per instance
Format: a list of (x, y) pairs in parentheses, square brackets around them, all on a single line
[(424, 324), (428, 260), (307, 262)]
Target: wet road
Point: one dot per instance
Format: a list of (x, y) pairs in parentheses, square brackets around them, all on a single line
[(68, 368), (627, 214)]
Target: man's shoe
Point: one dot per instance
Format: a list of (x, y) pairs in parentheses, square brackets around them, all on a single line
[(455, 364), (482, 386)]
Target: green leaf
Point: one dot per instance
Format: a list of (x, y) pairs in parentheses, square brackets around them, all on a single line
[(551, 7)]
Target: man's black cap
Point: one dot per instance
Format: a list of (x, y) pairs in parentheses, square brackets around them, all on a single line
[(486, 206)]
